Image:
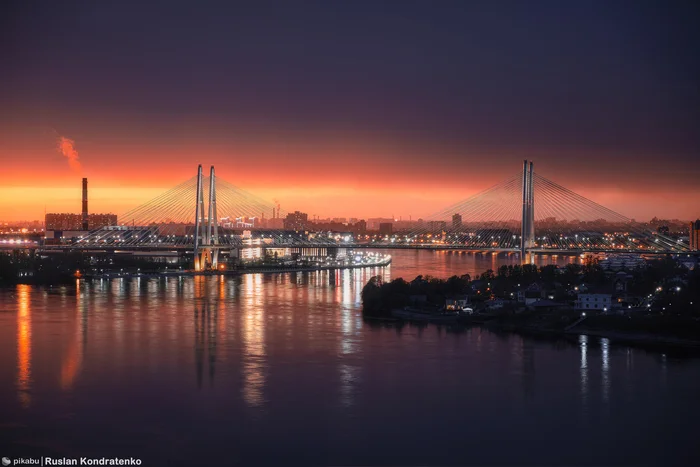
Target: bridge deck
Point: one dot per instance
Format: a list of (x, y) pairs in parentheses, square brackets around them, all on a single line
[(189, 248)]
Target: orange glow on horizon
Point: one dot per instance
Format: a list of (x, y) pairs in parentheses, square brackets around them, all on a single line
[(28, 203), (362, 181)]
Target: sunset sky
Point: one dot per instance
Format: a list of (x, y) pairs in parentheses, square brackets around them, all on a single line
[(349, 108)]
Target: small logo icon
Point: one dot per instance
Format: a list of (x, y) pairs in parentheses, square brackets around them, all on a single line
[(6, 461)]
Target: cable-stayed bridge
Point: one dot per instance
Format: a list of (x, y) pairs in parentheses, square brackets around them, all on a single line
[(530, 213), (525, 213)]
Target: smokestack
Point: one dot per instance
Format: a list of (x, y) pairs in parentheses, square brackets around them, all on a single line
[(85, 206)]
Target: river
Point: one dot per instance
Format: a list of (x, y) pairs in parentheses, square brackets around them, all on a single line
[(280, 369)]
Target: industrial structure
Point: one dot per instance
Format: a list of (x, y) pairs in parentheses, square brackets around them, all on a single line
[(85, 205), (695, 235), (65, 226)]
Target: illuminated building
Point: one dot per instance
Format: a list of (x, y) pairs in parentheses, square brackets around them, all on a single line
[(68, 221), (695, 235), (296, 221), (247, 222), (63, 221)]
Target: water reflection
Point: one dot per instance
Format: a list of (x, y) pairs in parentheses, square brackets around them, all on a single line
[(72, 362), (254, 366), (583, 347), (24, 344), (523, 352), (664, 370), (206, 327), (629, 370), (605, 367), (269, 342), (349, 327)]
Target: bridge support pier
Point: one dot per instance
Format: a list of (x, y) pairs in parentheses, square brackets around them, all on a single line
[(206, 229), (527, 230)]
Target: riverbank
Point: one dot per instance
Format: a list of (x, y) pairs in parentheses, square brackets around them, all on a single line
[(657, 303)]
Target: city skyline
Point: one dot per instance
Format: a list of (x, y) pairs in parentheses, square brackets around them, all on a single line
[(363, 112), (66, 199), (367, 232)]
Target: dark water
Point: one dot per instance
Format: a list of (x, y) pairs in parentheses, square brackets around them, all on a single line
[(281, 370)]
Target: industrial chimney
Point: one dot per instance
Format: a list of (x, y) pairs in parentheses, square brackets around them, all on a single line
[(85, 207)]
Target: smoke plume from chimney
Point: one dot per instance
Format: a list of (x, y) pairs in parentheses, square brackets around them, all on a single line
[(66, 146)]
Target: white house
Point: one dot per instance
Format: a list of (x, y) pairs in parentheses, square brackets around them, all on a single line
[(594, 301)]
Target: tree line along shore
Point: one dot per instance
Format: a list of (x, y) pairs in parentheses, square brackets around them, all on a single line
[(658, 301)]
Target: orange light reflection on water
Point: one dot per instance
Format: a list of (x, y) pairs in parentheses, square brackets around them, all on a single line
[(24, 344), (70, 366), (253, 341)]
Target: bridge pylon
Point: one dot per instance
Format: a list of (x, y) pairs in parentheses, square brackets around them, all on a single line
[(206, 228), (527, 230)]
